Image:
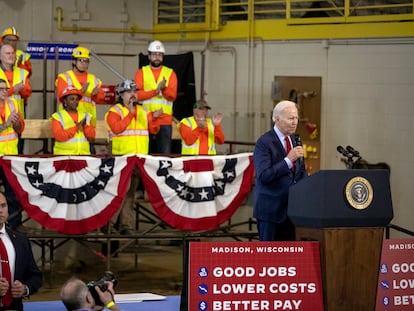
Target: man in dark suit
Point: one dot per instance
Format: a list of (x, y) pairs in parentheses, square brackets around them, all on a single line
[(277, 168), (26, 277)]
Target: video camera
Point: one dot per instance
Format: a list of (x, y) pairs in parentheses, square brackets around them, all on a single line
[(108, 277)]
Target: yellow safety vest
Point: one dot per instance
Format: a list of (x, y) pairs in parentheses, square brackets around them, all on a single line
[(194, 148), (78, 144), (9, 137), (134, 140), (86, 103), (157, 102), (25, 56), (19, 75)]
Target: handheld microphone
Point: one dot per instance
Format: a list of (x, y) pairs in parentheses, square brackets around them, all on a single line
[(352, 151), (344, 152), (298, 142)]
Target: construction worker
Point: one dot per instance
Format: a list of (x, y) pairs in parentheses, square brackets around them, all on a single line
[(157, 89), (129, 125), (11, 125), (79, 78), (12, 37), (17, 80), (199, 133), (71, 128)]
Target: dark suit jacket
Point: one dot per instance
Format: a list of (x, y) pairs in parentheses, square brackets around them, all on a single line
[(273, 178), (26, 270)]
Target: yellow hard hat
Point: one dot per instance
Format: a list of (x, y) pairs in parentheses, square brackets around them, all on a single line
[(11, 31), (80, 52)]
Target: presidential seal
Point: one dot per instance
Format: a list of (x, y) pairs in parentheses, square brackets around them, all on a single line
[(358, 192)]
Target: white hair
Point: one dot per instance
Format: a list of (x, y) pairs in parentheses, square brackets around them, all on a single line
[(277, 110)]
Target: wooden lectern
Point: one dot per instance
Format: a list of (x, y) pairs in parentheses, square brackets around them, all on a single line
[(346, 211)]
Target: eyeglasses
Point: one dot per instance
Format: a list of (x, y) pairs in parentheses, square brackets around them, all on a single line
[(83, 60), (157, 54), (4, 89)]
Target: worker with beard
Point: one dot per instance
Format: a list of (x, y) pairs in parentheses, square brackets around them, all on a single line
[(79, 78), (157, 89), (129, 125)]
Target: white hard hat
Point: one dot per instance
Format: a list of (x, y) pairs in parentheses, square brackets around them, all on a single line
[(156, 46)]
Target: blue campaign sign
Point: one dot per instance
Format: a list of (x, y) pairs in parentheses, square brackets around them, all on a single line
[(38, 49)]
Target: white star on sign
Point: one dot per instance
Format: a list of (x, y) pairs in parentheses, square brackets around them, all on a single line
[(106, 168), (204, 194), (184, 193), (31, 170), (37, 184), (180, 187), (165, 164), (219, 184)]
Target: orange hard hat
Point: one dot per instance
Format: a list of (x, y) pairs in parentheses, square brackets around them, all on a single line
[(70, 91)]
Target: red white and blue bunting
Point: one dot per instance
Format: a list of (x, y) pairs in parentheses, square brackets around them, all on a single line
[(78, 194)]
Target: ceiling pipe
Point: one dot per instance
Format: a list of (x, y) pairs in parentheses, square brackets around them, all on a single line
[(133, 30)]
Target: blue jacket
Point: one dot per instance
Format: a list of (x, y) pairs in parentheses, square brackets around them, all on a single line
[(273, 178)]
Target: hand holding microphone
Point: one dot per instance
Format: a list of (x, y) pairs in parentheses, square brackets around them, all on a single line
[(298, 143), (296, 153)]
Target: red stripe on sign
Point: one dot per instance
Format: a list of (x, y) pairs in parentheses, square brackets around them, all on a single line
[(69, 166), (199, 165)]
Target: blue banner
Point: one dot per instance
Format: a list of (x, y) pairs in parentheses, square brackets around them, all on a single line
[(61, 51)]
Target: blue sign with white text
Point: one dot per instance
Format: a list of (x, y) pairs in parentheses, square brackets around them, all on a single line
[(60, 51)]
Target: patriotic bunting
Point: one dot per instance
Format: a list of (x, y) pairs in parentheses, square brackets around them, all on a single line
[(197, 193), (72, 195), (75, 195)]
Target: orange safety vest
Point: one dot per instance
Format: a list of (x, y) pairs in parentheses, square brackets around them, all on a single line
[(9, 137), (86, 103), (78, 144), (159, 101), (134, 139), (194, 148)]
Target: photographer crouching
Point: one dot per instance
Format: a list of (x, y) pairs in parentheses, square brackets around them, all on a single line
[(76, 295)]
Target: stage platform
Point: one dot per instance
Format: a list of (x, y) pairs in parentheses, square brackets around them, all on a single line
[(170, 303)]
